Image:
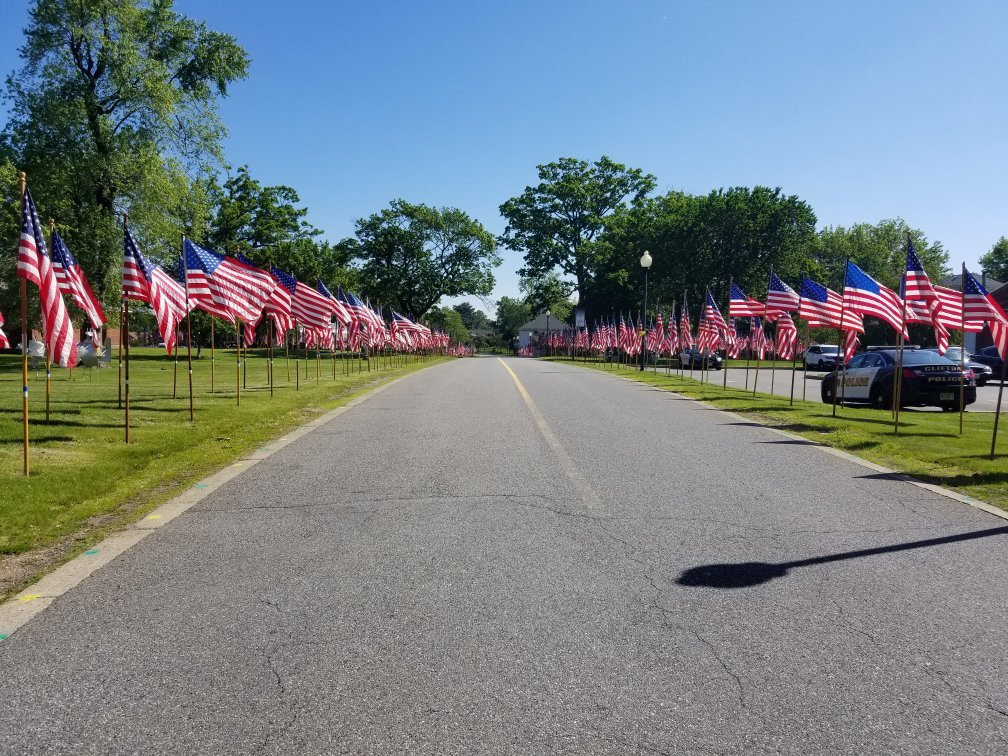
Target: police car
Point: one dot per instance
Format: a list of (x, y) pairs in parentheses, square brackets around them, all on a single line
[(929, 380)]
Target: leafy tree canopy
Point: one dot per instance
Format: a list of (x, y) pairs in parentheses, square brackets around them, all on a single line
[(412, 255), (448, 319), (556, 223), (471, 317), (250, 216), (115, 108), (995, 262), (512, 314)]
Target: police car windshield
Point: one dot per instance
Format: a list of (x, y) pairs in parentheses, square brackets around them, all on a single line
[(923, 357)]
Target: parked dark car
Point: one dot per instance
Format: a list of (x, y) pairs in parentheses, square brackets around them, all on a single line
[(929, 380), (693, 359), (989, 356), (981, 372)]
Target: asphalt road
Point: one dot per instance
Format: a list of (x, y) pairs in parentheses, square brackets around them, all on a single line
[(445, 569), (779, 383)]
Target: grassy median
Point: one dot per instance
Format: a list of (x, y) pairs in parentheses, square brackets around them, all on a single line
[(928, 446), (85, 480)]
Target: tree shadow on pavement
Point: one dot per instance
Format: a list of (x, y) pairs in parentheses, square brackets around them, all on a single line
[(749, 574)]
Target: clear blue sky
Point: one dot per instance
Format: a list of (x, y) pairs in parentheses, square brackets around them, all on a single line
[(866, 110)]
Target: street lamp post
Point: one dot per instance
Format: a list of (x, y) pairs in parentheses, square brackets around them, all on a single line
[(548, 349), (645, 262)]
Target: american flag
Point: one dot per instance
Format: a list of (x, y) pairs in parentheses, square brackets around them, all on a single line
[(340, 310), (685, 336), (713, 315), (223, 286), (706, 334), (917, 286), (757, 338), (672, 333), (781, 298), (920, 313), (822, 308), (278, 306), (732, 343), (740, 305), (4, 343), (656, 335), (787, 337), (144, 281), (865, 295), (34, 264), (950, 314), (851, 342), (309, 308), (981, 306), (72, 281)]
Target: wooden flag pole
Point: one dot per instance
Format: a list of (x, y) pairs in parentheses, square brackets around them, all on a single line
[(794, 354), (269, 355), (174, 384), (185, 280), (962, 350), (119, 401), (898, 377), (244, 357), (125, 338), (287, 353), (773, 361), (48, 360), (840, 362), (997, 410), (237, 363), (213, 353), (24, 337)]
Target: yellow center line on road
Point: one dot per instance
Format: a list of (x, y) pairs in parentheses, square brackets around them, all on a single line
[(589, 495)]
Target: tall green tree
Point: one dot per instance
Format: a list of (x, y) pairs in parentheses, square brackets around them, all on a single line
[(995, 262), (880, 249), (113, 109), (704, 241), (556, 223), (250, 216), (411, 255), (512, 314), (471, 317), (448, 320), (548, 292)]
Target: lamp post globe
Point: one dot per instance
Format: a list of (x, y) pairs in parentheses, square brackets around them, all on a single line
[(645, 263), (547, 331)]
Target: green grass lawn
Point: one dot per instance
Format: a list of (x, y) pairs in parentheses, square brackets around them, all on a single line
[(928, 446), (84, 478)]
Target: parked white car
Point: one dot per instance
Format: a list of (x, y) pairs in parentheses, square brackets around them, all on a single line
[(821, 357)]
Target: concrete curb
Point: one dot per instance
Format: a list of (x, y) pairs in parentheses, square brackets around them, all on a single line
[(946, 492), (33, 600)]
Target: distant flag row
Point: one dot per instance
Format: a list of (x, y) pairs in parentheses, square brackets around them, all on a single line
[(919, 302), (231, 288)]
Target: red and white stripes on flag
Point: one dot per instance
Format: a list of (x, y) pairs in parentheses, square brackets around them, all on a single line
[(144, 281), (851, 342), (4, 343), (865, 295), (223, 286), (72, 281), (787, 337), (981, 306), (34, 265)]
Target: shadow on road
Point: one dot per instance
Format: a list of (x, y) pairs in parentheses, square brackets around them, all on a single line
[(748, 574)]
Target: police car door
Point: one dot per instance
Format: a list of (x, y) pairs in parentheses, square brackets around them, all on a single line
[(857, 377), (870, 366)]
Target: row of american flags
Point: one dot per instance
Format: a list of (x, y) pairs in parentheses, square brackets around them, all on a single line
[(920, 301), (228, 287)]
